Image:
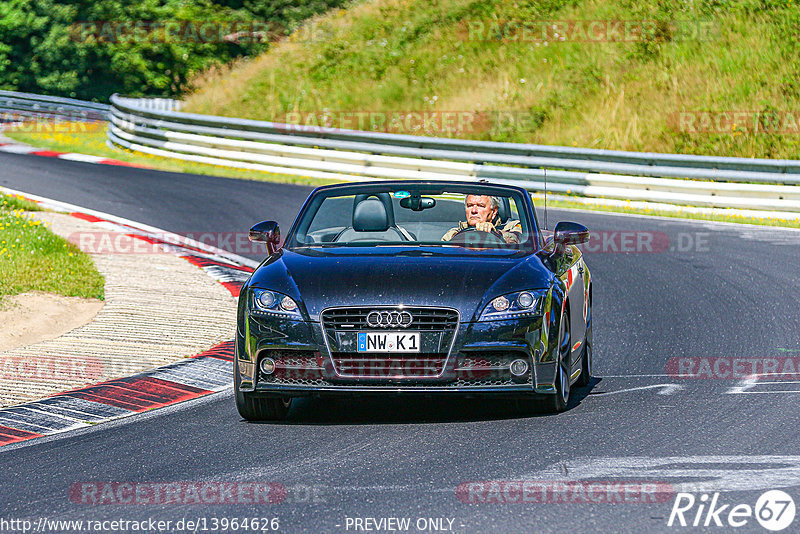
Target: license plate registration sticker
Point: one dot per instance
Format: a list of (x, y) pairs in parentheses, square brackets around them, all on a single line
[(388, 341)]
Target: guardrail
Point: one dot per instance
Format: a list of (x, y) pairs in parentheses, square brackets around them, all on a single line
[(28, 105), (156, 126), (742, 183)]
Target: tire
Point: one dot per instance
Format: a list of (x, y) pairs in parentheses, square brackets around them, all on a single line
[(558, 402), (262, 408), (586, 355), (254, 408)]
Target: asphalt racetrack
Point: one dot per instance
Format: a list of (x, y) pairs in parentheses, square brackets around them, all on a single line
[(670, 297)]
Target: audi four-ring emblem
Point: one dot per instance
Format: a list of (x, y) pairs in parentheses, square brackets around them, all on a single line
[(389, 319)]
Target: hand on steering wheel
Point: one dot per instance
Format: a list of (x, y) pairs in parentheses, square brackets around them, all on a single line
[(493, 232), (485, 226)]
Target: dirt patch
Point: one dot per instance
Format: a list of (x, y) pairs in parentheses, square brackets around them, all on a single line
[(36, 316)]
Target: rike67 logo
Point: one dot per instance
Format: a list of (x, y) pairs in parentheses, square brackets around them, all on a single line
[(774, 510)]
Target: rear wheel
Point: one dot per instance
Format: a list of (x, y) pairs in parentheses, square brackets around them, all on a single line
[(254, 408)]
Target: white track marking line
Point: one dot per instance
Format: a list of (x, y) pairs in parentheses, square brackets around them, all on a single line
[(73, 156), (753, 381), (666, 389), (772, 472), (767, 392), (636, 376)]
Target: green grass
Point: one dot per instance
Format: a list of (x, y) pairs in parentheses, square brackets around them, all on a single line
[(32, 258), (17, 203), (93, 141), (416, 55)]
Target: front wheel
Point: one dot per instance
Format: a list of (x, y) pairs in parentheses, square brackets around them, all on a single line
[(262, 408), (254, 408), (558, 402), (586, 355)]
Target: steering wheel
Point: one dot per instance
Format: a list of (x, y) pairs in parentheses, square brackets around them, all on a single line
[(472, 237)]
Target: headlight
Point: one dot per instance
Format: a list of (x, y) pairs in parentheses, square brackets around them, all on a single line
[(513, 305), (272, 303)]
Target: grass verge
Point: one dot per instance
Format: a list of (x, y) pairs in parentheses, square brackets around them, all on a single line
[(34, 258), (701, 77)]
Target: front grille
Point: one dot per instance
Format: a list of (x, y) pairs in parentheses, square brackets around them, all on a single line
[(436, 325), (425, 319), (471, 369), (486, 382), (424, 365), (488, 368), (292, 381), (302, 367)]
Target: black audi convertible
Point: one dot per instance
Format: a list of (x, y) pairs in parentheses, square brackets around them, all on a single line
[(414, 287)]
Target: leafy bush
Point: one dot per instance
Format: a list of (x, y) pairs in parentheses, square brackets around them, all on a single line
[(59, 47)]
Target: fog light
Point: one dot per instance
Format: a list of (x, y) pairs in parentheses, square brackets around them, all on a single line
[(518, 367), (268, 366)]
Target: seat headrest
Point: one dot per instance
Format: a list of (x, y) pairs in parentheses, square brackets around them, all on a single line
[(383, 197), (370, 216), (504, 209)]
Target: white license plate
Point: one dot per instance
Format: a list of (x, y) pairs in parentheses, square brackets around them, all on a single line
[(388, 342)]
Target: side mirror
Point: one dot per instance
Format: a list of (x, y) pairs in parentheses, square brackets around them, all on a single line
[(569, 233), (267, 232)]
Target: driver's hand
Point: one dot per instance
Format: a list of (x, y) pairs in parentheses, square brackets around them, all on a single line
[(484, 226)]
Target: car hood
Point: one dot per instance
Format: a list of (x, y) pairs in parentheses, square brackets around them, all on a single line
[(420, 276)]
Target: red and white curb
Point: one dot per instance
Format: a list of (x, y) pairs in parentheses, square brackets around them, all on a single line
[(228, 269), (19, 148), (194, 377), (205, 373)]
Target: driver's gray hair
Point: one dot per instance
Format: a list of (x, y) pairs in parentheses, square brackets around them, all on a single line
[(494, 200)]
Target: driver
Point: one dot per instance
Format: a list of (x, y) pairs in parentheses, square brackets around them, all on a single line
[(481, 211)]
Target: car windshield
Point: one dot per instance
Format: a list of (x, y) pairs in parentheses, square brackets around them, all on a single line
[(479, 217)]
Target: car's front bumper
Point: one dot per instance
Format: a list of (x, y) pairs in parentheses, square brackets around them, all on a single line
[(476, 362)]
